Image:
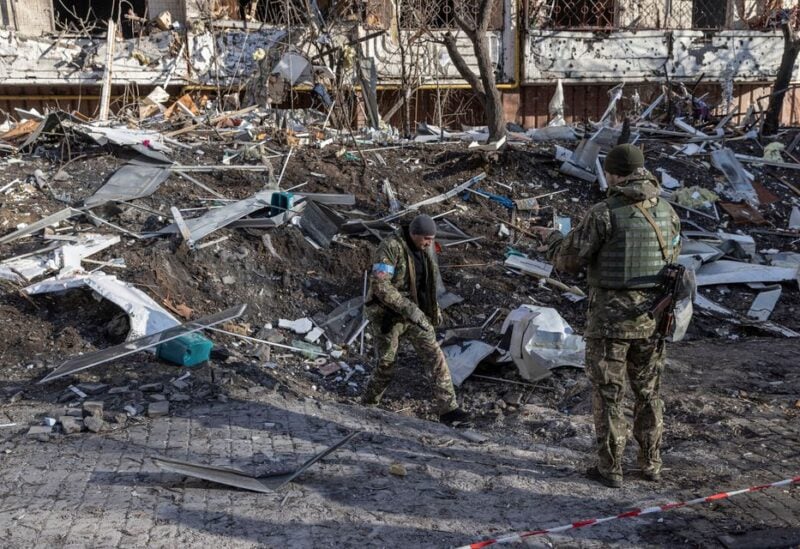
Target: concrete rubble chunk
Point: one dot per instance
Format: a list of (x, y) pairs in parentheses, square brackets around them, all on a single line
[(180, 384), (70, 425), (93, 408), (152, 387), (131, 410), (40, 432), (158, 409), (92, 388), (314, 335), (94, 423), (299, 326), (329, 369)]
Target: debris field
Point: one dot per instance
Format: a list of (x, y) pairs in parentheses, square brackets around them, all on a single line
[(182, 342)]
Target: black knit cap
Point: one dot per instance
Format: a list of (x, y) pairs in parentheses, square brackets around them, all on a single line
[(423, 225), (624, 160)]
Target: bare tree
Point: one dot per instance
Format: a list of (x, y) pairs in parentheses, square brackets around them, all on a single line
[(791, 49), (475, 26)]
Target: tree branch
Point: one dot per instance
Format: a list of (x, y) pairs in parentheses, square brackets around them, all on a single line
[(462, 67), (484, 15), (465, 27)]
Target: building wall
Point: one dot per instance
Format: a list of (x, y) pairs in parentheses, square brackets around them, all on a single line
[(576, 56), (176, 8), (30, 16)]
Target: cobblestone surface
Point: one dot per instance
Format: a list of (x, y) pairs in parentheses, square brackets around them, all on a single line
[(103, 490)]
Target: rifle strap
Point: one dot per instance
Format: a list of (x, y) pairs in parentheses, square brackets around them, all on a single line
[(661, 242)]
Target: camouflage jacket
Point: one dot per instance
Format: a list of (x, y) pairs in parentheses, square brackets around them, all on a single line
[(621, 314), (393, 283)]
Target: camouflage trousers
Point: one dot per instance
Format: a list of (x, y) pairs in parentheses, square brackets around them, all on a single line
[(608, 362), (387, 341)]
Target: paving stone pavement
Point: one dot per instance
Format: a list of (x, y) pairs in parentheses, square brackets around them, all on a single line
[(102, 490)]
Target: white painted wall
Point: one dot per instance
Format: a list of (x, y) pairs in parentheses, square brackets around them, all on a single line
[(745, 56), (386, 52)]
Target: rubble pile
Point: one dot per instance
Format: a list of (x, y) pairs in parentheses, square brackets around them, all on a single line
[(125, 247)]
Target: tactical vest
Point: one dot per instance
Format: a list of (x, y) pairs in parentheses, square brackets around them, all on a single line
[(632, 258)]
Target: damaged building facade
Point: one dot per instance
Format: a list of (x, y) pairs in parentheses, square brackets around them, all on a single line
[(726, 52)]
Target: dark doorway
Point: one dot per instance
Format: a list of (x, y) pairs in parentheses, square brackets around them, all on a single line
[(91, 16)]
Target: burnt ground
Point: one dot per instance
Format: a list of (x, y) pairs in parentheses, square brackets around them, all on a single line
[(728, 389)]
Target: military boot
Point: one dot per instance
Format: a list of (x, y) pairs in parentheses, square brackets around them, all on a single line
[(593, 473), (650, 465)]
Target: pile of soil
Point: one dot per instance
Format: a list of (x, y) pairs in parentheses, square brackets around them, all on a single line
[(301, 280)]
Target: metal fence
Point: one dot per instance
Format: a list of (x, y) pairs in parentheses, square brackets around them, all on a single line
[(442, 14), (656, 14)]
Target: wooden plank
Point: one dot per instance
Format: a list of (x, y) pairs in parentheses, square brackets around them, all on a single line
[(182, 227)]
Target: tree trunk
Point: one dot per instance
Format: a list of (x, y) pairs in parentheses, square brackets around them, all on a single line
[(492, 103), (791, 49), (484, 84)]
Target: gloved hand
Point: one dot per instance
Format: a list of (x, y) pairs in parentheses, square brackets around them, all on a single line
[(420, 319)]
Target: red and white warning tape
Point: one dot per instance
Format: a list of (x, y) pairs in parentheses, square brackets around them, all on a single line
[(512, 538)]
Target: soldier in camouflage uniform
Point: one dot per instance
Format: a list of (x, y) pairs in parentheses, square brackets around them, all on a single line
[(625, 242), (402, 304)]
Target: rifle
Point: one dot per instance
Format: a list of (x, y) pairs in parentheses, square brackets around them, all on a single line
[(665, 306)]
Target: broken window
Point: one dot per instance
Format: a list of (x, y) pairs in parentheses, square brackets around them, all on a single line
[(629, 14), (279, 12), (572, 14), (709, 14), (442, 14), (91, 16)]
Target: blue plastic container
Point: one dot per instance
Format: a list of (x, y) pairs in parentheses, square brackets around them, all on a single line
[(280, 202), (187, 350)]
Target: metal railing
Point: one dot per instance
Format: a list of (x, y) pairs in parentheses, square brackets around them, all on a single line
[(655, 14)]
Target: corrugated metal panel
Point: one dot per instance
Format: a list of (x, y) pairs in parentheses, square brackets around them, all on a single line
[(528, 107), (589, 101)]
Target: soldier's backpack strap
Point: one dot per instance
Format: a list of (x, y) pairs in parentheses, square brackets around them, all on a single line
[(661, 242)]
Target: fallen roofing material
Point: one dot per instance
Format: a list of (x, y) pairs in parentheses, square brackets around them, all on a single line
[(238, 479), (438, 198), (735, 272), (146, 316), (463, 358), (96, 358), (741, 182), (702, 302), (794, 218), (202, 226), (133, 180), (28, 266), (66, 257), (530, 266), (764, 303), (320, 223), (52, 219), (541, 340)]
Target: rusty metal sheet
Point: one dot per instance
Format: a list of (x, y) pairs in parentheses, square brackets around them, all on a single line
[(743, 213)]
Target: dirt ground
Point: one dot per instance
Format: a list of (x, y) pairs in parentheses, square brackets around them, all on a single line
[(733, 396)]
